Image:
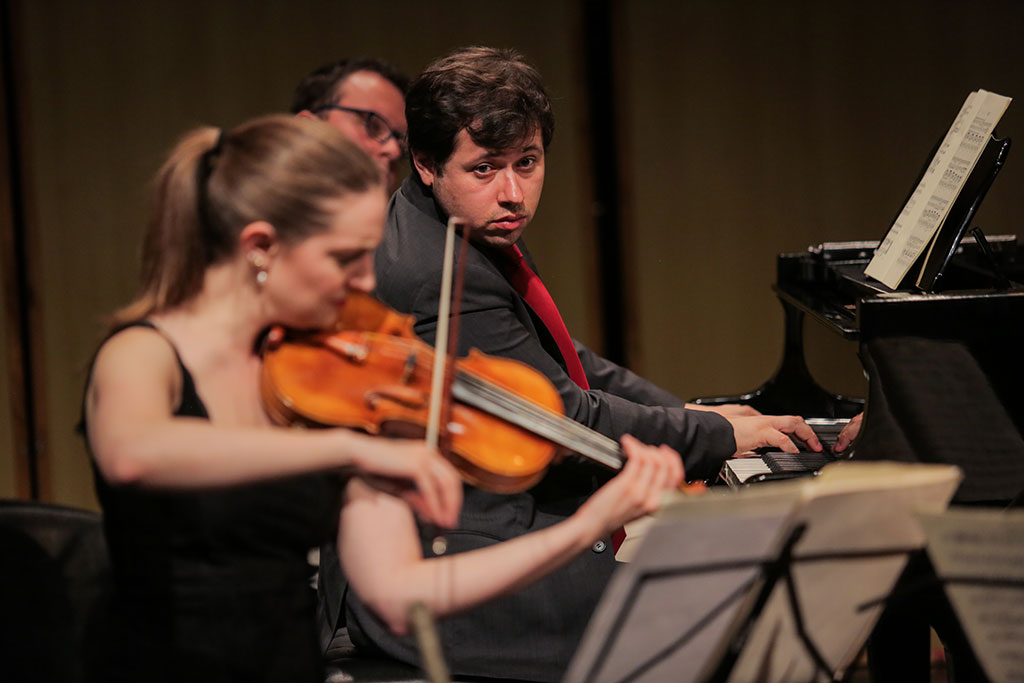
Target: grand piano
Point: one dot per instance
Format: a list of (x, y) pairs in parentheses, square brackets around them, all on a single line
[(944, 358)]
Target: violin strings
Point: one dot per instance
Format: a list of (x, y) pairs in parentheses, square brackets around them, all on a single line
[(557, 428), (555, 420), (540, 425), (498, 401)]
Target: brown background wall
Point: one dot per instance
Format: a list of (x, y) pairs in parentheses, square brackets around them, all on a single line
[(772, 126), (745, 130), (7, 476)]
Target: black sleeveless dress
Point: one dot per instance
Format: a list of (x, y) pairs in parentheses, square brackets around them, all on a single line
[(213, 585)]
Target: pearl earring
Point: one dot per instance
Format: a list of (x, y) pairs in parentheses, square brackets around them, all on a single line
[(259, 262)]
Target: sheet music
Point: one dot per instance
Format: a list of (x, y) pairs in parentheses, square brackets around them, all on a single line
[(914, 228), (987, 545), (688, 581), (681, 607), (850, 509)]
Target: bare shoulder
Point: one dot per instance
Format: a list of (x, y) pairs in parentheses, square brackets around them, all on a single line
[(133, 346), (133, 389), (137, 357)]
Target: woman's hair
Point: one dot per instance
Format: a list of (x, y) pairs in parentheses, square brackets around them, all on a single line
[(278, 169)]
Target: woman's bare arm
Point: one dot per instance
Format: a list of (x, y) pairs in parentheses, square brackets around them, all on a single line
[(380, 550), (136, 439)]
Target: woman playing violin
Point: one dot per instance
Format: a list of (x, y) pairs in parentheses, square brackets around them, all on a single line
[(209, 509)]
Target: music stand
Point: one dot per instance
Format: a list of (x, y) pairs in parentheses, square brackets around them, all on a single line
[(933, 265), (978, 556), (954, 261), (763, 584)]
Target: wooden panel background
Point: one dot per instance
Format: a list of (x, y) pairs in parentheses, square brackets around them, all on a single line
[(9, 398), (760, 128), (7, 476), (746, 130), (111, 85)]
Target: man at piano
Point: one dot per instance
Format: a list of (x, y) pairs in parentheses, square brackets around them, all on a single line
[(479, 123)]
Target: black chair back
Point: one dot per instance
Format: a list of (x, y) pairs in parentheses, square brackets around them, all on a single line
[(54, 571)]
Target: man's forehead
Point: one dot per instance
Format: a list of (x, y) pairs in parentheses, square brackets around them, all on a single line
[(363, 81), (530, 142)]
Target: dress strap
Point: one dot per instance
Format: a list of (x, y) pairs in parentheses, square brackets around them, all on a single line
[(191, 405)]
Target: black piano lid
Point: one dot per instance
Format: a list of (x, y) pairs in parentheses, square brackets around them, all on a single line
[(945, 366)]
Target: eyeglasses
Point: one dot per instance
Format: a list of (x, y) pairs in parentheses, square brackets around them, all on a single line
[(376, 127)]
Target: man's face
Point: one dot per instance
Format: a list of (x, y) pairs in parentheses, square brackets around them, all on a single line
[(495, 192), (368, 91)]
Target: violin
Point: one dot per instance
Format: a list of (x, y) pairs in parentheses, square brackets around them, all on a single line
[(370, 372)]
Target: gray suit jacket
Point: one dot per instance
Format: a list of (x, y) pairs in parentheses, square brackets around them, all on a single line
[(532, 634), (496, 320)]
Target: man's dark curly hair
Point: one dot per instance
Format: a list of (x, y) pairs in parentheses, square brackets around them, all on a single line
[(320, 88), (493, 93)]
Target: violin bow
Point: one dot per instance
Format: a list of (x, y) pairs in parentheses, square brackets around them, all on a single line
[(446, 344), (437, 380), (439, 413), (453, 331)]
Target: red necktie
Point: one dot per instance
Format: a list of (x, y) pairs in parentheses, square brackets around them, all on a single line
[(536, 295)]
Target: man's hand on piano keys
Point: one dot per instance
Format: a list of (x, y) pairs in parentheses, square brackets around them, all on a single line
[(848, 434), (772, 430), (726, 410)]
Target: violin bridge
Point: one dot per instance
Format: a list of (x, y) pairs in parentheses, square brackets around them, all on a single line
[(409, 368)]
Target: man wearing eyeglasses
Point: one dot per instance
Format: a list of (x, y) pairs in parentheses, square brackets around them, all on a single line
[(364, 99)]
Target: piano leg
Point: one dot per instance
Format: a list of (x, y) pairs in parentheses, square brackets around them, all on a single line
[(792, 390)]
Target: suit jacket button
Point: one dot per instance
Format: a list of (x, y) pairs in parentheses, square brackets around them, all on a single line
[(599, 547)]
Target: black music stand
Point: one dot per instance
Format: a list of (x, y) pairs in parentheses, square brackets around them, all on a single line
[(933, 265), (978, 556), (934, 271), (777, 589), (780, 571), (665, 611)]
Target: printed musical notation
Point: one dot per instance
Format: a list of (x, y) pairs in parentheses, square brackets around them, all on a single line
[(915, 227), (978, 555)]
